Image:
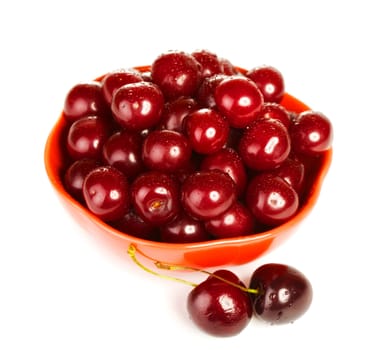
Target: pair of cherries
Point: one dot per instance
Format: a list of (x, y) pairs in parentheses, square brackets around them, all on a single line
[(223, 305)]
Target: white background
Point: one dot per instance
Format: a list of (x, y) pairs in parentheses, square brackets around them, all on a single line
[(61, 287)]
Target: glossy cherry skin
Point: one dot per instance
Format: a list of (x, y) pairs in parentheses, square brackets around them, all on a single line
[(123, 150), (134, 225), (206, 92), (219, 308), (138, 106), (228, 161), (271, 199), (210, 65), (237, 221), (207, 194), (175, 112), (166, 150), (239, 99), (85, 99), (226, 275), (86, 137), (207, 130), (270, 81), (265, 144), (115, 79), (155, 197), (311, 133), (276, 111), (75, 175), (227, 67), (292, 170), (177, 74), (183, 229), (285, 293), (106, 193)]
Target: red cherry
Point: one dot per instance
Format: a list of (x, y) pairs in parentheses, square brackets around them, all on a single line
[(138, 106), (219, 308), (207, 130), (86, 137), (237, 221), (311, 133), (208, 61), (270, 81), (85, 99), (229, 161), (239, 99), (207, 194), (115, 79), (183, 229), (155, 197), (166, 150), (123, 151), (176, 73), (106, 193), (276, 111), (285, 293), (75, 176), (271, 199), (134, 225), (175, 112), (265, 144)]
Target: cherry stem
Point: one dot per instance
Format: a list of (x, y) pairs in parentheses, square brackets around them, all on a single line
[(163, 266), (132, 253)]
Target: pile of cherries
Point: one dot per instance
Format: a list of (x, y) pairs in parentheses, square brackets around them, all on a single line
[(189, 149)]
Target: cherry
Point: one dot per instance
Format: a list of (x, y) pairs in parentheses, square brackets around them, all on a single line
[(265, 144), (183, 229), (207, 130), (106, 193), (86, 137), (175, 112), (177, 74), (284, 293), (229, 161), (292, 170), (134, 225), (75, 175), (276, 111), (85, 99), (123, 150), (115, 79), (209, 62), (239, 99), (207, 194), (227, 67), (237, 221), (155, 197), (138, 106), (271, 199), (270, 81), (206, 92), (219, 308), (166, 150), (311, 133)]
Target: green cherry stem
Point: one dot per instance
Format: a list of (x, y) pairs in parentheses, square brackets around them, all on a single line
[(132, 253), (163, 266)]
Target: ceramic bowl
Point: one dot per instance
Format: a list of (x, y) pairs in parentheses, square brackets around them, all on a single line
[(220, 252)]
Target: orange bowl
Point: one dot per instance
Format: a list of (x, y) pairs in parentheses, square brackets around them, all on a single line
[(219, 252)]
